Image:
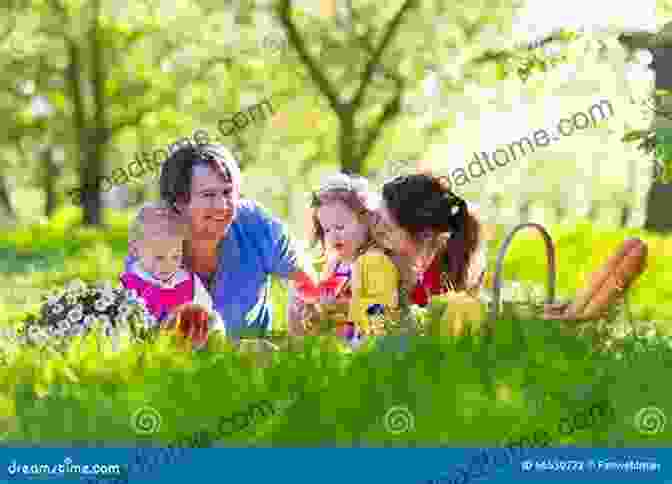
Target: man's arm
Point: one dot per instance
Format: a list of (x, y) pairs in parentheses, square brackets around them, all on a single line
[(283, 257)]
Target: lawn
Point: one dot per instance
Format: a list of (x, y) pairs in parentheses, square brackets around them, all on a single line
[(466, 391)]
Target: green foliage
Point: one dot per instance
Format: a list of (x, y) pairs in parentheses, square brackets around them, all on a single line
[(461, 391)]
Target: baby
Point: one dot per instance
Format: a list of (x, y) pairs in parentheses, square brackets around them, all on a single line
[(155, 271)]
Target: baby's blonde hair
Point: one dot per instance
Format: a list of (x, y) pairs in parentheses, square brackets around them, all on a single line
[(155, 220)]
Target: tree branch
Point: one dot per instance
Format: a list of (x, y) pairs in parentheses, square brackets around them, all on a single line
[(390, 111), (298, 43), (375, 58)]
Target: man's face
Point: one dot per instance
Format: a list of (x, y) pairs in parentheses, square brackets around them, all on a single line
[(213, 204), (160, 256)]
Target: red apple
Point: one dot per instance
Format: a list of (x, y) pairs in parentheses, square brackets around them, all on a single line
[(191, 321)]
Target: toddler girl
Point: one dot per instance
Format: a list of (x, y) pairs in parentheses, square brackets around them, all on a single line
[(155, 270), (357, 274)]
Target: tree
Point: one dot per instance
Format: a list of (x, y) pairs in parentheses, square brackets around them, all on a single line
[(659, 197), (368, 70)]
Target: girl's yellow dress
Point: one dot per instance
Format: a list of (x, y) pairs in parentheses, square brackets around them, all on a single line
[(375, 280)]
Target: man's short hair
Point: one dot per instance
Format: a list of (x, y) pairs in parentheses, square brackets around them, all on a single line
[(177, 170)]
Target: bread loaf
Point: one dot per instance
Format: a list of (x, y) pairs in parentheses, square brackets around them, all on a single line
[(600, 277), (625, 270)]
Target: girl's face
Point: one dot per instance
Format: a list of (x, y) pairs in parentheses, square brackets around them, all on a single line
[(161, 257), (390, 235), (344, 232)]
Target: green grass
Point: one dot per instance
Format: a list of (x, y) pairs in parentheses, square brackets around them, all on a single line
[(460, 392)]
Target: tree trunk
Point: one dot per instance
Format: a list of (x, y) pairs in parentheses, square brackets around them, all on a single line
[(560, 212), (93, 203), (524, 211), (594, 211), (659, 198), (626, 209), (6, 199), (351, 163), (50, 175), (626, 215), (658, 204)]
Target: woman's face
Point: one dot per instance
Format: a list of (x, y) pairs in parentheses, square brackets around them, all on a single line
[(390, 235), (344, 232), (212, 205)]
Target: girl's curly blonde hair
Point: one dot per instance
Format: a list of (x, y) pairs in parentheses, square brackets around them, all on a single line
[(353, 192)]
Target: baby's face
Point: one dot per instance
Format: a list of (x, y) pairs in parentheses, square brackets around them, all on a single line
[(344, 232), (161, 257)]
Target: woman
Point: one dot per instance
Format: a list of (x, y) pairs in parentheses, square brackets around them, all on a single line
[(438, 241), (235, 245), (434, 234)]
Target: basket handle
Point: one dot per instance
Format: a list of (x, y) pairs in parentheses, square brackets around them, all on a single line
[(550, 257)]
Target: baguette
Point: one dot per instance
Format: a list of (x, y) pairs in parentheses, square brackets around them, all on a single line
[(627, 270), (599, 277)]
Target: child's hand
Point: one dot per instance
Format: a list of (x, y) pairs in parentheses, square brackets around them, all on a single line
[(327, 295), (306, 290), (191, 322)]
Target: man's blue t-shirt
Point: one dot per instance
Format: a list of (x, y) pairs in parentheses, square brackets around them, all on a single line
[(256, 246)]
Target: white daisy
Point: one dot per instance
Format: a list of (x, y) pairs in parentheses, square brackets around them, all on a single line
[(88, 320), (124, 310), (77, 286), (75, 315), (101, 305), (57, 309), (33, 330)]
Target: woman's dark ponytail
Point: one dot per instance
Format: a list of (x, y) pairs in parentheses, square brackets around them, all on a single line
[(420, 202)]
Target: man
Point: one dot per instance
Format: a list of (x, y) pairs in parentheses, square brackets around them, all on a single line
[(235, 245)]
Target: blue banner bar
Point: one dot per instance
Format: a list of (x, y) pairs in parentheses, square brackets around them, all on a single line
[(336, 466)]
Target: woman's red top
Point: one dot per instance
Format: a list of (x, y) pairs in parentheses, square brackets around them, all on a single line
[(429, 284)]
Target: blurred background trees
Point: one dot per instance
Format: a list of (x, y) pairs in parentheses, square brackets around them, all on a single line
[(354, 85)]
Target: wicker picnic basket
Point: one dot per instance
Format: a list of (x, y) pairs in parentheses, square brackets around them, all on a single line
[(456, 311)]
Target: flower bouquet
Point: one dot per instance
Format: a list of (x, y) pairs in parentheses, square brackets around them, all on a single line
[(78, 309)]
